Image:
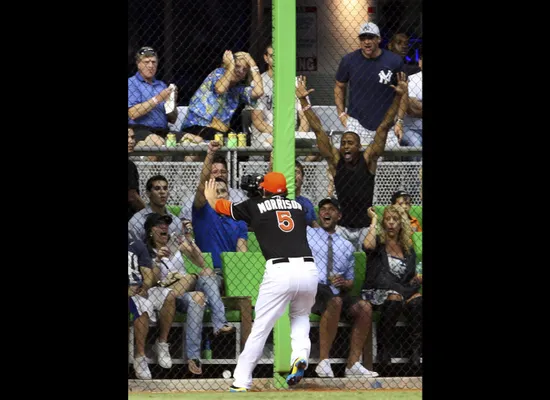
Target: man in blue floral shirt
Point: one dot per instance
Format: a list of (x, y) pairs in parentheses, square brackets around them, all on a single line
[(213, 104)]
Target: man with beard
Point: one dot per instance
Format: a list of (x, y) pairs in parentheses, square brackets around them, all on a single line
[(353, 170)]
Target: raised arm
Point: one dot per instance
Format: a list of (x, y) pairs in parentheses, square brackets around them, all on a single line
[(303, 124), (370, 240), (200, 200), (376, 148), (340, 101), (327, 150), (258, 89), (222, 85)]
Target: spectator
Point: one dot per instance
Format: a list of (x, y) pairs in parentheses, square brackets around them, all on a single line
[(262, 114), (391, 284), (369, 71), (353, 170), (189, 289), (399, 44), (311, 217), (156, 189), (216, 233), (146, 101), (148, 299), (215, 101), (335, 263), (135, 202), (412, 123), (219, 170), (403, 199)]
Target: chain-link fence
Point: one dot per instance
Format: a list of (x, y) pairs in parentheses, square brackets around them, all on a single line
[(201, 72)]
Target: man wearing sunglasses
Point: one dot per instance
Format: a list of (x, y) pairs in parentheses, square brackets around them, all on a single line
[(157, 191), (146, 101), (369, 72)]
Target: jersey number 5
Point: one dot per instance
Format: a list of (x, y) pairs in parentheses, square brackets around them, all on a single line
[(285, 221)]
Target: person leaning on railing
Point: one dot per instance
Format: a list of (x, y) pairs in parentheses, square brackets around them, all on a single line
[(217, 98)]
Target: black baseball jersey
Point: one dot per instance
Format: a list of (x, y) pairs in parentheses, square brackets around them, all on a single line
[(279, 224)]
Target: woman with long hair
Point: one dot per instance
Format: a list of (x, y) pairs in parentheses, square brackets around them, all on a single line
[(391, 284), (192, 291)]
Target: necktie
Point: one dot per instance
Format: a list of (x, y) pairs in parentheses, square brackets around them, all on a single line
[(330, 258)]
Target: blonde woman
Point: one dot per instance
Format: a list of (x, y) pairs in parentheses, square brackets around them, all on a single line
[(391, 284)]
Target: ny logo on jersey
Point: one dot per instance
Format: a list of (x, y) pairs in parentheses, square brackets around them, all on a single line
[(385, 77)]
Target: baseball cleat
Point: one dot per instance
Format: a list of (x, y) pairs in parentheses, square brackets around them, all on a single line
[(296, 372)]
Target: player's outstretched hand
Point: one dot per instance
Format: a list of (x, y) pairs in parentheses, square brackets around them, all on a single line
[(210, 191)]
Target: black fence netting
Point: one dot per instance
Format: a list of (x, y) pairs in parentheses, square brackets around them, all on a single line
[(200, 106)]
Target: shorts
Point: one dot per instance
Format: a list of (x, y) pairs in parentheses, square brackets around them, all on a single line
[(367, 136), (141, 132), (324, 295), (154, 302), (205, 132)]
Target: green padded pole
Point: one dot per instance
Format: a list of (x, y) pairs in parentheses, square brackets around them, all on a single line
[(284, 75)]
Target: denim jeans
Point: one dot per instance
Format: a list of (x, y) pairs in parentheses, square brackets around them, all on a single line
[(193, 329), (209, 285), (412, 138)]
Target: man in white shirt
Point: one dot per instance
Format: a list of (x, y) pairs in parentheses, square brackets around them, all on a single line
[(262, 114), (412, 123)]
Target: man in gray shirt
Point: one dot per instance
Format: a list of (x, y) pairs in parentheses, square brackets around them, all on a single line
[(157, 191)]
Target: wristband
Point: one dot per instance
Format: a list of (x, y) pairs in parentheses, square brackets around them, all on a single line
[(255, 68), (155, 100), (341, 115)]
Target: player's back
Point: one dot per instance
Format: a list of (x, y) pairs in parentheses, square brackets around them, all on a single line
[(279, 224)]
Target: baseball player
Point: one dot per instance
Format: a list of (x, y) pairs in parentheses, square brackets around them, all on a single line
[(290, 273)]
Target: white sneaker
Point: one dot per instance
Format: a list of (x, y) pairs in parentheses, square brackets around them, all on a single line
[(163, 354), (324, 370), (141, 368), (358, 370)]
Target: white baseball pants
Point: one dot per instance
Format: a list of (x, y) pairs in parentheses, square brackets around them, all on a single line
[(295, 282)]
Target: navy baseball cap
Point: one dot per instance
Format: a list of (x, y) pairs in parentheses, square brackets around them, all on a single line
[(155, 219), (331, 200)]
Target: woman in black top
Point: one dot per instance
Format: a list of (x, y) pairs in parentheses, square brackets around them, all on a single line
[(391, 284)]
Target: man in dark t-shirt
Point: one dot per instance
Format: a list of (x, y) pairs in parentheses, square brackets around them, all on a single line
[(135, 202), (353, 170), (291, 275), (369, 73)]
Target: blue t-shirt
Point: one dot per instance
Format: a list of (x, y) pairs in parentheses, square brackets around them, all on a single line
[(308, 208), (139, 91), (215, 233), (369, 80)]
